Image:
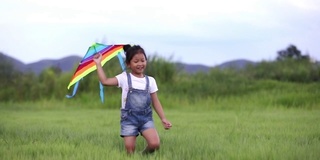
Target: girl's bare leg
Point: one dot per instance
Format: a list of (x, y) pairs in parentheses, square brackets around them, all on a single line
[(153, 140), (130, 143)]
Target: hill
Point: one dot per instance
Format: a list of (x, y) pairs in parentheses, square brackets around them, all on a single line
[(18, 65), (65, 64), (237, 64), (193, 68)]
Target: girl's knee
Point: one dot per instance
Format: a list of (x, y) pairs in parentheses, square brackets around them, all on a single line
[(130, 149), (154, 145)]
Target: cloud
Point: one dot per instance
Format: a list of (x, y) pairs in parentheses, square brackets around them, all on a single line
[(229, 29)]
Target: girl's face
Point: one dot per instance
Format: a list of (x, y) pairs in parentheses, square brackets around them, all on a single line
[(137, 64)]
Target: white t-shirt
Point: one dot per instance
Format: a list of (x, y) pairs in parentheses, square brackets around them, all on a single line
[(137, 83)]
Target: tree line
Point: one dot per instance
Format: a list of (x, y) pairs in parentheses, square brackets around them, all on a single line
[(290, 66)]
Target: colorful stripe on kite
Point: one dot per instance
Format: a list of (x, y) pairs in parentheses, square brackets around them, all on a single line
[(87, 65)]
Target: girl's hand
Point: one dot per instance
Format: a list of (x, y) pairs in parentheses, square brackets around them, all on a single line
[(166, 124), (97, 58)]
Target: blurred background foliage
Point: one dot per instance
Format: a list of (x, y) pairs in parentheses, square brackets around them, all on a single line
[(293, 80)]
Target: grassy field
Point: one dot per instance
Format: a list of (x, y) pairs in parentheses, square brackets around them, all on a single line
[(77, 133)]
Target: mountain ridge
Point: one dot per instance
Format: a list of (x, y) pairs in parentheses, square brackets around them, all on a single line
[(67, 64)]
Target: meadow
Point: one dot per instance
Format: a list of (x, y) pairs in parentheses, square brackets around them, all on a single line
[(270, 110), (53, 130)]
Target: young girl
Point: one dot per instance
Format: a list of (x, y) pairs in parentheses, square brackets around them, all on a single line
[(138, 92)]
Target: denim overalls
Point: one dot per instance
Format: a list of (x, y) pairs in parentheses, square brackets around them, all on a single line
[(137, 115)]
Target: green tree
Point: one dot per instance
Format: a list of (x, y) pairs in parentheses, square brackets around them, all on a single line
[(291, 52), (27, 87), (7, 76), (47, 81), (7, 70), (162, 69)]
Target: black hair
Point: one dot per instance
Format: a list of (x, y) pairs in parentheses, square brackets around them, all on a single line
[(132, 51)]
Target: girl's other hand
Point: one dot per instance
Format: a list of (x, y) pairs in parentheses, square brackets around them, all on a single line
[(166, 124)]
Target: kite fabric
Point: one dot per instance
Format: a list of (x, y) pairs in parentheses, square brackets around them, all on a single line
[(87, 65)]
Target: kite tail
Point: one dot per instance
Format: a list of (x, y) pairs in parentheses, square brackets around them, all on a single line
[(123, 67), (101, 92), (75, 88)]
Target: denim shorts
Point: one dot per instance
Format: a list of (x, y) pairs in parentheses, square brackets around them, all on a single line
[(135, 122)]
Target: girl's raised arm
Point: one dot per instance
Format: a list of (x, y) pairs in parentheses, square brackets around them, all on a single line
[(102, 76)]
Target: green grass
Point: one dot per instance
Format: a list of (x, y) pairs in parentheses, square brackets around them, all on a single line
[(198, 133)]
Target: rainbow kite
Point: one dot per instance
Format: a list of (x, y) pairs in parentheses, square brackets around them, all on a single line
[(87, 65)]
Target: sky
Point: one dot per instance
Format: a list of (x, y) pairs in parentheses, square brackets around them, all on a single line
[(208, 32)]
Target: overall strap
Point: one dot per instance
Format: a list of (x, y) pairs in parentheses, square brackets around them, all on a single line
[(147, 84), (130, 82)]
